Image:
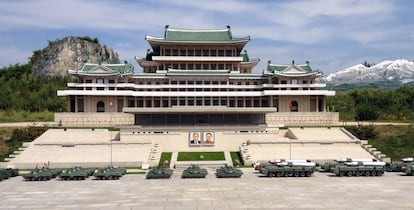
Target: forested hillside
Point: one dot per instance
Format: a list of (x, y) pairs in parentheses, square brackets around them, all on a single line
[(21, 91), (373, 104)]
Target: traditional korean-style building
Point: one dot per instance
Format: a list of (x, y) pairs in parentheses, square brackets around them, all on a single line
[(196, 77)]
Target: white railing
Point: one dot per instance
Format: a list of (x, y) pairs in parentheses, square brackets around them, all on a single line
[(302, 118)]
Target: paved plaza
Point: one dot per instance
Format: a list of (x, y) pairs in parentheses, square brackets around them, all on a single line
[(321, 191)]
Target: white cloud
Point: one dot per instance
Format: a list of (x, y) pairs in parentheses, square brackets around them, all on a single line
[(299, 26)]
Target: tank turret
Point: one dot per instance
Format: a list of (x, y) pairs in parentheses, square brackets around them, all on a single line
[(159, 172), (194, 171), (228, 172)]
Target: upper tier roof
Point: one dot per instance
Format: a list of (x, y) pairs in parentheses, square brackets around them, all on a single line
[(104, 69), (291, 70), (199, 36)]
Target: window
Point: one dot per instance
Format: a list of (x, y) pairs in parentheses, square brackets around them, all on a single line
[(213, 53), (131, 102), (205, 53), (229, 53), (175, 52), (80, 104)]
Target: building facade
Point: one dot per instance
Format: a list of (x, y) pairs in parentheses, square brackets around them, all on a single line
[(197, 77)]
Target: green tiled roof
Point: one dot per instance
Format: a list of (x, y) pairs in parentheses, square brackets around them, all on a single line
[(302, 68), (109, 68), (197, 35)]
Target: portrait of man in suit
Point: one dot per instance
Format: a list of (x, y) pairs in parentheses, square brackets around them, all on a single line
[(195, 138)]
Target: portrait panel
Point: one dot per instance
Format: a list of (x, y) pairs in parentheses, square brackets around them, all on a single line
[(208, 138), (195, 138)]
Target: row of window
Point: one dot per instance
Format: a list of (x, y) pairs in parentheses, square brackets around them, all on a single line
[(197, 66), (191, 101), (199, 82), (198, 52)]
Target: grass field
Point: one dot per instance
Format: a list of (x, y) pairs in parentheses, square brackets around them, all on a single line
[(20, 116), (200, 156), (395, 141), (165, 156)]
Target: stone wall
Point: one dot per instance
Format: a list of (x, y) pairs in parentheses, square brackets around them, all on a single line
[(86, 119), (302, 118), (276, 119)]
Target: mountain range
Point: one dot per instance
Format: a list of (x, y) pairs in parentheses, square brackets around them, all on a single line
[(396, 72)]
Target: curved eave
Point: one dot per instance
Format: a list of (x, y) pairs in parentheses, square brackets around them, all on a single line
[(252, 63), (142, 62), (298, 74), (156, 42), (79, 73)]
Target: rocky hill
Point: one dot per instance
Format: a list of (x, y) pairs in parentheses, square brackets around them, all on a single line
[(70, 53), (397, 71)]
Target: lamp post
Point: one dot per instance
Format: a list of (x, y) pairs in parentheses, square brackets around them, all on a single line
[(110, 122)]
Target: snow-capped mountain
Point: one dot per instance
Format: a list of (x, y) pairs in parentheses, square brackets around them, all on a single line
[(398, 70)]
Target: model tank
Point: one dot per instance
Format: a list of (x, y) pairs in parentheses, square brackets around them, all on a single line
[(159, 173), (228, 172), (42, 174), (399, 166), (409, 169), (109, 173), (9, 172), (194, 171), (76, 173)]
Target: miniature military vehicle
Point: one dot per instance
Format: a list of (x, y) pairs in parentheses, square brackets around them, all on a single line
[(328, 166), (159, 172), (368, 168), (288, 169), (399, 166), (76, 173), (228, 172), (42, 174), (109, 173), (409, 169), (259, 165), (194, 171), (9, 172)]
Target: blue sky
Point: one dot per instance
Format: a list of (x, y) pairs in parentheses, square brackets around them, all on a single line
[(331, 34)]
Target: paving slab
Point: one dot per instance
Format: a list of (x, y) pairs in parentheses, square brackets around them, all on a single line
[(251, 191)]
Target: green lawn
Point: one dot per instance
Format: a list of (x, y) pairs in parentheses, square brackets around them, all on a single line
[(165, 156), (200, 156)]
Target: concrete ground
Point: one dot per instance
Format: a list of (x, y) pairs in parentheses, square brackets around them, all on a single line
[(322, 191)]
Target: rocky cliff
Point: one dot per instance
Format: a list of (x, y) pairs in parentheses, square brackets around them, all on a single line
[(70, 53)]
